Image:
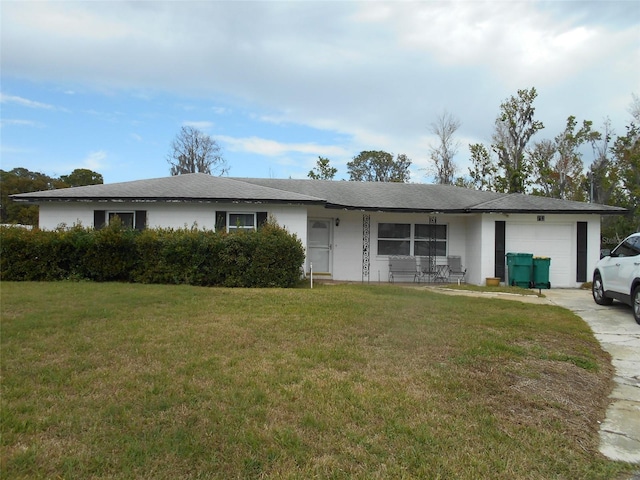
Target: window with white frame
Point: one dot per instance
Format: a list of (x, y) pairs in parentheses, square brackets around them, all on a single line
[(430, 240), (131, 219), (241, 221), (412, 239), (394, 239), (127, 218)]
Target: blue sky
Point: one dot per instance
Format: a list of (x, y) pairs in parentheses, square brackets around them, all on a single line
[(106, 85)]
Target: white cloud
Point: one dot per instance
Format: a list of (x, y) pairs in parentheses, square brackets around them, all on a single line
[(221, 110), (377, 73), (25, 102), (186, 107), (19, 123), (519, 41), (273, 148), (95, 160), (8, 149), (199, 124), (68, 20)]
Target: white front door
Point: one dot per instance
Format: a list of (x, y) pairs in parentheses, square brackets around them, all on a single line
[(319, 245)]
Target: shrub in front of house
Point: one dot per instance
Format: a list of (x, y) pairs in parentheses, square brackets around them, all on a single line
[(111, 255), (76, 253), (269, 257), (29, 255), (277, 259), (184, 256)]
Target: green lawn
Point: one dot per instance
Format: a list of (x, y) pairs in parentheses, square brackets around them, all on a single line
[(342, 381)]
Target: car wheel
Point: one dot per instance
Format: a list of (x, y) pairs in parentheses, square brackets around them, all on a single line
[(597, 289), (635, 304)]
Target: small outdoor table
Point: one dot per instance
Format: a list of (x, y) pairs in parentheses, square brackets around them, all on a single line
[(442, 273)]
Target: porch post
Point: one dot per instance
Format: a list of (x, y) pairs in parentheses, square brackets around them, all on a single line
[(366, 246)]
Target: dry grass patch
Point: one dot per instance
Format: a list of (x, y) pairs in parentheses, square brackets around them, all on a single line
[(141, 381)]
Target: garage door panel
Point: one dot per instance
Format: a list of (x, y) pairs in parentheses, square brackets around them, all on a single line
[(553, 241)]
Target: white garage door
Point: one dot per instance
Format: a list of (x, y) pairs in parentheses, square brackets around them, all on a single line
[(547, 240)]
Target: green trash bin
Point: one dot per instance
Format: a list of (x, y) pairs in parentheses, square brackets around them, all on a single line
[(520, 267), (541, 272)]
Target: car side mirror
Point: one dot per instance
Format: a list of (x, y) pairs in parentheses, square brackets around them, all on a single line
[(605, 252)]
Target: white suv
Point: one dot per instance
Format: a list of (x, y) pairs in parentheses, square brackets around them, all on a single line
[(617, 276)]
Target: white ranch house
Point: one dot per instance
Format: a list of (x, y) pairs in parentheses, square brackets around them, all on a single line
[(350, 229)]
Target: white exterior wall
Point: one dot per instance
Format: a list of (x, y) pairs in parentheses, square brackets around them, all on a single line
[(593, 243), (470, 236), (169, 215), (176, 215), (159, 215), (479, 241), (53, 215)]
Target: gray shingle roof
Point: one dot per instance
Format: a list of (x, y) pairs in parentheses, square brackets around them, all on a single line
[(533, 203), (421, 197), (381, 195), (194, 186), (377, 196)]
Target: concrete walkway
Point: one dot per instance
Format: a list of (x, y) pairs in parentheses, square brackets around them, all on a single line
[(619, 335)]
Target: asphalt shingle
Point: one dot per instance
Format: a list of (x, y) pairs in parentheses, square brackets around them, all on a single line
[(376, 196), (194, 186)]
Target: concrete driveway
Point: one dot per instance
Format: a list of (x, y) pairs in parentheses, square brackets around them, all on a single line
[(619, 335)]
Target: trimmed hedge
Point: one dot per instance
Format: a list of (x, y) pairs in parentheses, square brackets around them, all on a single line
[(268, 257)]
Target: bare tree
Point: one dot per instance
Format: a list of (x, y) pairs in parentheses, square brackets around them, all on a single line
[(442, 155), (193, 151)]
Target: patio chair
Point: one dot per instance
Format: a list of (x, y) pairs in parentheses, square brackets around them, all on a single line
[(455, 268), (403, 266)]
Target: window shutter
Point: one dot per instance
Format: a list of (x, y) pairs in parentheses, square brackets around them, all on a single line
[(500, 250), (262, 218), (581, 252), (221, 221), (141, 220), (99, 219)]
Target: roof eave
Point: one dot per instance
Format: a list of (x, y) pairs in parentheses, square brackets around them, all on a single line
[(550, 212), (37, 200), (363, 208)]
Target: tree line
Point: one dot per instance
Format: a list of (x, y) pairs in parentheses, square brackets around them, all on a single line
[(21, 180)]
